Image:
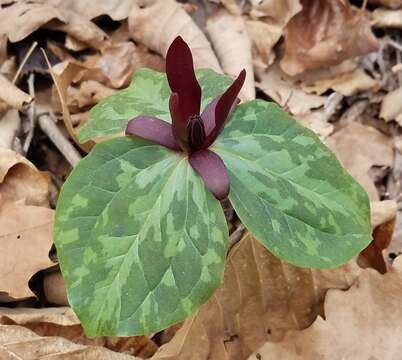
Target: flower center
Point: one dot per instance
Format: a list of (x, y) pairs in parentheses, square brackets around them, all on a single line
[(196, 132)]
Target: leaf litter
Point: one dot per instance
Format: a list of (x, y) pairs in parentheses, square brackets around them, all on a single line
[(321, 61)]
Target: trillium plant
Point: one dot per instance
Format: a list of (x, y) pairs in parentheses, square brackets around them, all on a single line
[(140, 231)]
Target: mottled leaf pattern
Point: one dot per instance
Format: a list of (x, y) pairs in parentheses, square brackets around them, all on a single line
[(147, 95), (140, 240), (289, 189)]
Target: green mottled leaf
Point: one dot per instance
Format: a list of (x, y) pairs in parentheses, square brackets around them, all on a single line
[(289, 189), (148, 95), (140, 240)]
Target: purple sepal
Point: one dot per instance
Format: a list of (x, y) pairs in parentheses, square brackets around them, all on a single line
[(153, 129), (212, 170)]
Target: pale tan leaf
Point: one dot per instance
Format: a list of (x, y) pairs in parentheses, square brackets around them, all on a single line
[(26, 236), (10, 124), (362, 323), (89, 9), (347, 84), (261, 298), (157, 25), (13, 96), (389, 3), (80, 28), (287, 93), (325, 33), (62, 322), (62, 316), (17, 342), (391, 105), (387, 18), (21, 18), (263, 37), (383, 211), (21, 180), (55, 289), (359, 148), (275, 12), (231, 42)]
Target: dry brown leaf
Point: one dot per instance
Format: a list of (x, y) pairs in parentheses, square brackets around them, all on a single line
[(317, 121), (347, 84), (391, 106), (62, 322), (275, 12), (362, 323), (389, 3), (287, 93), (117, 62), (359, 148), (157, 24), (13, 96), (63, 74), (231, 42), (326, 33), (17, 342), (81, 29), (26, 236), (89, 9), (382, 212), (263, 37), (21, 180), (387, 18), (21, 18), (260, 300), (3, 48), (55, 289), (10, 124), (62, 316), (87, 94)]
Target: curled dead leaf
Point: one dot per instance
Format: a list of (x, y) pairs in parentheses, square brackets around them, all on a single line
[(391, 106), (232, 44), (55, 289), (287, 93), (12, 96), (364, 322), (359, 148), (387, 18), (347, 84), (21, 180), (10, 124), (17, 342), (26, 236), (63, 323), (261, 298), (157, 24), (325, 33)]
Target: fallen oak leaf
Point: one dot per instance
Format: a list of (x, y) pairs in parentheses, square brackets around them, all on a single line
[(231, 42), (13, 96), (17, 342), (62, 322), (325, 33), (157, 24), (359, 148), (361, 323), (261, 299), (26, 236), (21, 180)]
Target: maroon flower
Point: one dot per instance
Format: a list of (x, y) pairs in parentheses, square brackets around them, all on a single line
[(190, 131)]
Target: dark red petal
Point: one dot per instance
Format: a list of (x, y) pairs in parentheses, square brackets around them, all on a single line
[(220, 109), (181, 77), (213, 171), (179, 127), (152, 129)]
